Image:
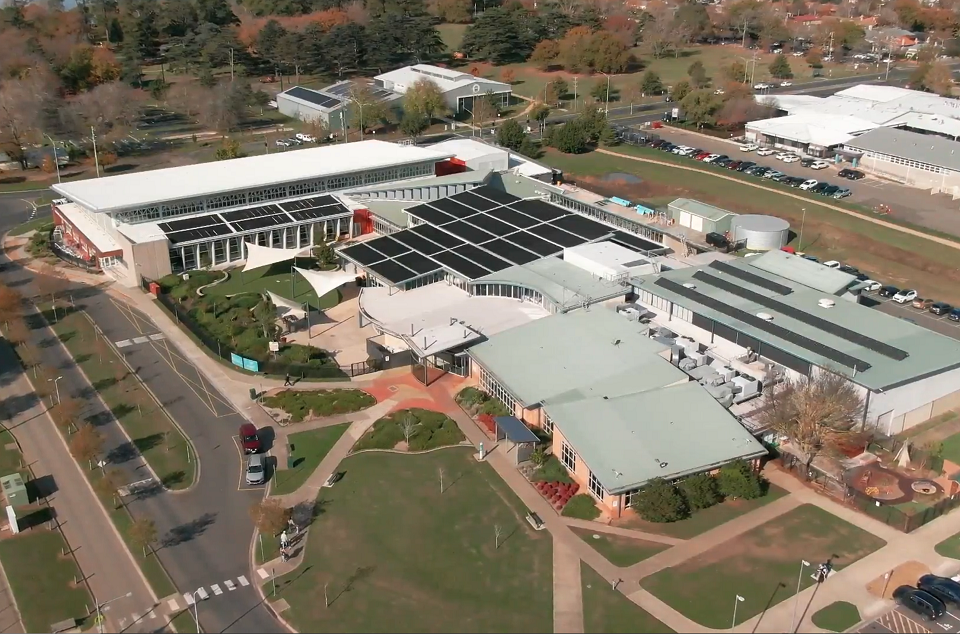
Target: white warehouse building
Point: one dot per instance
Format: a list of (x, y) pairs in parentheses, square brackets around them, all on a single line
[(459, 89)]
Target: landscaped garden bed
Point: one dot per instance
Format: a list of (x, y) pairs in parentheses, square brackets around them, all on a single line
[(411, 430), (300, 405)]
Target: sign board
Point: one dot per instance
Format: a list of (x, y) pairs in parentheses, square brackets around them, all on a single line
[(250, 364), (236, 359), (274, 346), (675, 113), (12, 519)]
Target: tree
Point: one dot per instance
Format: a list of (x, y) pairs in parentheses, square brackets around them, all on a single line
[(407, 424), (51, 281), (425, 98), (545, 54), (607, 136), (66, 414), (111, 109), (938, 78), (699, 107), (681, 90), (814, 59), (735, 71), (559, 87), (265, 314), (17, 331), (650, 84), (607, 53), (497, 534), (269, 516), (780, 67), (694, 18), (659, 501), (510, 135), (413, 124), (501, 35), (483, 111), (367, 110), (739, 110), (11, 304), (700, 491), (143, 533), (574, 49), (698, 75), (325, 254), (599, 91), (30, 357), (229, 149), (107, 486), (816, 413), (24, 105), (661, 35), (570, 138), (739, 480), (86, 444)]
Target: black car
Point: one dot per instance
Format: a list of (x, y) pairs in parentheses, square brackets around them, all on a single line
[(793, 181), (667, 147), (830, 190), (760, 170), (779, 178), (658, 143), (723, 162), (846, 268), (888, 291), (807, 162), (862, 277), (818, 188), (919, 601), (718, 240), (743, 167), (853, 175), (954, 315), (942, 308)]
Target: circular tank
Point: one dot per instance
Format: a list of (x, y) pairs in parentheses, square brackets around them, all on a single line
[(761, 233)]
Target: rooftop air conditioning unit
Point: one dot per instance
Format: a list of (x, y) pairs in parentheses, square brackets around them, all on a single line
[(826, 303), (689, 285), (765, 316)]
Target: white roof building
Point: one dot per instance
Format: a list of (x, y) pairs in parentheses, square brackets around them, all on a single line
[(459, 89), (818, 130)]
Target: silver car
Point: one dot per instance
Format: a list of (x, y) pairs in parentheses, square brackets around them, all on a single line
[(255, 469)]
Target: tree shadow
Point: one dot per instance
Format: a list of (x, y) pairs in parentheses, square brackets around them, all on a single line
[(123, 452), (360, 574), (146, 443), (82, 358), (174, 478), (16, 405), (105, 383), (97, 419), (188, 531), (119, 168), (67, 336)]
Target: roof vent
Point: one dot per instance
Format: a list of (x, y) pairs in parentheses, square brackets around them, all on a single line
[(689, 285), (826, 303), (765, 316)]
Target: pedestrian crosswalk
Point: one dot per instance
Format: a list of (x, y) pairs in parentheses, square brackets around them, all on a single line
[(203, 593), (129, 342)]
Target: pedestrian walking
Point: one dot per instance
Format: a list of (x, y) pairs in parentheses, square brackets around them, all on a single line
[(287, 381), (293, 525), (284, 555), (284, 540)]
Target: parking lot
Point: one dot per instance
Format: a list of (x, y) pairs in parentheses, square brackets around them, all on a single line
[(919, 316), (902, 621)]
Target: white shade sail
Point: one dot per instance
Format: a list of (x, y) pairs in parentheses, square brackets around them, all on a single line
[(325, 281), (258, 256), (287, 306)]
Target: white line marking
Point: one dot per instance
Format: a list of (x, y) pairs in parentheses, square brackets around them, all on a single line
[(203, 594), (156, 337), (243, 581), (216, 589), (140, 340), (230, 585), (123, 344), (153, 614), (173, 605), (123, 623), (188, 598), (263, 573)]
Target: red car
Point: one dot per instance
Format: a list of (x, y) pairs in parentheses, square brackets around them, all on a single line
[(702, 155), (249, 439)]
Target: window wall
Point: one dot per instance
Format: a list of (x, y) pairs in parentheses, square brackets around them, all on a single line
[(596, 489), (513, 291), (492, 387), (568, 457)]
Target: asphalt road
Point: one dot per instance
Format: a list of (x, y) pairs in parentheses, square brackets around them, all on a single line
[(205, 532), (903, 621)]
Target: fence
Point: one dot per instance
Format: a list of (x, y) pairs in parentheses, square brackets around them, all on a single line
[(264, 366), (889, 514), (68, 257)]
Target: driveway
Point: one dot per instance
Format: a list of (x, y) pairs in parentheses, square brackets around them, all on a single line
[(919, 316)]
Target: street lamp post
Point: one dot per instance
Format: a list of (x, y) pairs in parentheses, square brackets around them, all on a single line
[(56, 387), (56, 161), (196, 607), (803, 564), (803, 219), (736, 602), (100, 606)]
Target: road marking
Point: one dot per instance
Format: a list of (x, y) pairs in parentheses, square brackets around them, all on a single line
[(153, 614), (188, 598), (140, 339), (216, 589), (123, 623), (123, 344), (156, 337), (230, 585), (173, 605), (263, 573), (243, 581), (203, 594)]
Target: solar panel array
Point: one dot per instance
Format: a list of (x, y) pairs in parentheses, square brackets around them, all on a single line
[(753, 278), (251, 219), (343, 89), (314, 97), (479, 232), (827, 352)]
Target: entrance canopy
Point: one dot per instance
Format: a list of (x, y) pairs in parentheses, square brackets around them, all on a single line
[(258, 256), (323, 282), (287, 306), (514, 429)]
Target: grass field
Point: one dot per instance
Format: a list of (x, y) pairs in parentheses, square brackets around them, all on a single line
[(42, 580), (620, 551), (950, 547), (951, 448), (32, 225), (301, 404), (760, 565), (277, 279), (839, 616), (393, 553), (452, 35), (309, 450), (884, 253), (606, 611)]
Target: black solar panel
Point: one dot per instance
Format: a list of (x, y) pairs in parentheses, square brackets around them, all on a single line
[(842, 358), (309, 203), (511, 217), (488, 261), (583, 227), (635, 242), (538, 209), (532, 243), (253, 212), (460, 265), (190, 223), (313, 97), (392, 272), (468, 232), (811, 320), (431, 215), (262, 222), (435, 235), (478, 203), (557, 236), (452, 207), (510, 251), (496, 195), (199, 234), (416, 242), (752, 278), (491, 225), (418, 263), (363, 254), (318, 213), (388, 246)]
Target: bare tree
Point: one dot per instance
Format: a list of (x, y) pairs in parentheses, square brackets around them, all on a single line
[(440, 473), (110, 109), (66, 414), (497, 534), (143, 533), (86, 444), (30, 357), (188, 97), (660, 34), (11, 304), (408, 424), (51, 281), (17, 331), (108, 484), (269, 516), (23, 106), (816, 413)]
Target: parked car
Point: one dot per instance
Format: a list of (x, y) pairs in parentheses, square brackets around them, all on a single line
[(841, 192), (819, 188), (306, 138), (765, 151), (808, 184), (853, 175), (255, 474), (294, 141), (786, 84), (832, 264), (781, 155), (920, 602), (762, 86), (749, 147), (745, 165), (871, 286), (846, 268), (922, 304), (820, 165), (760, 170), (779, 178), (904, 296), (812, 258), (249, 439), (790, 158), (793, 181), (773, 174), (702, 155), (940, 308), (888, 291), (954, 315), (830, 190), (807, 162), (710, 158), (732, 165), (283, 143), (723, 162)]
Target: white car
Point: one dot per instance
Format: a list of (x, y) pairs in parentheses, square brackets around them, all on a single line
[(711, 158), (790, 158), (785, 84), (809, 184), (871, 285), (762, 86), (832, 264), (283, 143), (798, 53), (781, 155), (718, 91), (819, 165), (306, 138), (904, 296), (749, 147), (765, 151)]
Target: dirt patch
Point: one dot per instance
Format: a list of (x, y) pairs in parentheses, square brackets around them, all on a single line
[(633, 190), (401, 446), (938, 431), (906, 573)]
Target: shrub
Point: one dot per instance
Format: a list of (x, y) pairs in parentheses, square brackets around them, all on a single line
[(493, 407), (660, 501), (738, 479), (700, 491), (581, 506), (433, 429), (471, 396)]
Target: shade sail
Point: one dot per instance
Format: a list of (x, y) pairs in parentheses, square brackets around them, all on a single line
[(287, 306), (323, 282), (258, 256)]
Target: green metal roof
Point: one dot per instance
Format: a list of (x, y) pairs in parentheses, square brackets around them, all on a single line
[(390, 210), (802, 271), (521, 186), (573, 355), (567, 285), (698, 208), (668, 432)]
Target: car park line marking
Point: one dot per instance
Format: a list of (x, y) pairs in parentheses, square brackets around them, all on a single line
[(243, 581), (263, 573), (173, 605), (230, 585), (188, 598), (216, 589)]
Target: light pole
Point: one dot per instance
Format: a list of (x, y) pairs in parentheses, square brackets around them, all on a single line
[(736, 602), (803, 219), (196, 607), (606, 109), (360, 106), (56, 387), (803, 564), (56, 161), (104, 604)]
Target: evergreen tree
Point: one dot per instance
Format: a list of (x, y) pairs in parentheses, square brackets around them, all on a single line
[(570, 138), (510, 135), (780, 67), (700, 491), (659, 501), (651, 84), (739, 480)]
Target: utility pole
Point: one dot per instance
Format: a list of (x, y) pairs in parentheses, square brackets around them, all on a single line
[(574, 93), (889, 59), (753, 73), (830, 50), (96, 158), (231, 63), (743, 44)]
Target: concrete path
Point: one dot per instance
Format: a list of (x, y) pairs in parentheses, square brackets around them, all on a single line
[(10, 622), (567, 589), (598, 527)]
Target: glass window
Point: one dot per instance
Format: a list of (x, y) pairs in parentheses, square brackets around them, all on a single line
[(547, 423), (568, 457), (596, 488)]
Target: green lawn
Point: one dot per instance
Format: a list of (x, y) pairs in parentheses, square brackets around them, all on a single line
[(951, 448), (32, 225), (581, 506), (620, 551), (551, 471), (276, 279), (302, 403), (760, 565), (42, 580), (11, 461), (950, 547), (160, 441), (431, 430), (607, 611), (839, 616), (886, 253), (309, 449), (396, 554)]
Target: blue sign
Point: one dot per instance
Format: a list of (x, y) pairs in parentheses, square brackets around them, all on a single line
[(236, 359), (250, 364)]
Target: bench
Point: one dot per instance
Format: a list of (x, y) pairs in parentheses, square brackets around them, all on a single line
[(535, 521)]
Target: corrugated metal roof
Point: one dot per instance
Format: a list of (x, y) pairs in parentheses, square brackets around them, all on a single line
[(924, 148), (567, 285), (698, 208)]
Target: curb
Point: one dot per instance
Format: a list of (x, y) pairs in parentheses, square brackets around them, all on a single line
[(259, 585)]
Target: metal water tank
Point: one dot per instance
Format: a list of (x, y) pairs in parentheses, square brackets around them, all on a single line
[(761, 233)]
